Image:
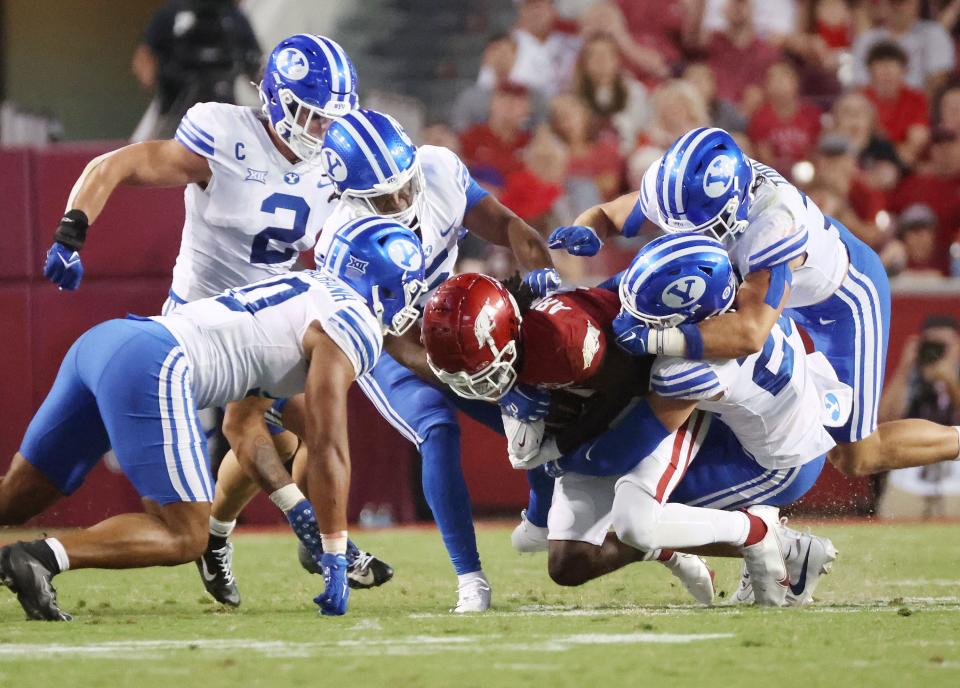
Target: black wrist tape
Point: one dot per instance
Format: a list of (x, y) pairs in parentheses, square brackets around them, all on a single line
[(72, 230)]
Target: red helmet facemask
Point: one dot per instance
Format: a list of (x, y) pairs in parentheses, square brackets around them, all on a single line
[(471, 330)]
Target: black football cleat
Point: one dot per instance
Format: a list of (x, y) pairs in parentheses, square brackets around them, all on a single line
[(30, 581), (365, 570), (216, 570)]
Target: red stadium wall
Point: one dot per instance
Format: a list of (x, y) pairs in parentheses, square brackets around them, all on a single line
[(128, 263)]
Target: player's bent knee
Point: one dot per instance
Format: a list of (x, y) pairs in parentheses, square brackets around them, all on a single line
[(568, 565), (187, 530)]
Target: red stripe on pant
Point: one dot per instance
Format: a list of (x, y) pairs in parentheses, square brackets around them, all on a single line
[(676, 462)]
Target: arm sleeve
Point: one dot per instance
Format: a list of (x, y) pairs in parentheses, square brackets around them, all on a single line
[(357, 335), (198, 130), (678, 378)]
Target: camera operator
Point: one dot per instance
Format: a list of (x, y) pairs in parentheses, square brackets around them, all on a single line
[(192, 51), (925, 385)]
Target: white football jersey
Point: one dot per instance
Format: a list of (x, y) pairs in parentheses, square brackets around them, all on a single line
[(782, 225), (258, 212), (448, 193), (776, 401), (249, 340)]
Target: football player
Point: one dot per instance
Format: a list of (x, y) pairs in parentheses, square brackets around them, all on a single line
[(789, 256), (785, 432), (254, 199), (136, 384)]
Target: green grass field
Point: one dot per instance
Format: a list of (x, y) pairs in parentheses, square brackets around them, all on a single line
[(888, 615)]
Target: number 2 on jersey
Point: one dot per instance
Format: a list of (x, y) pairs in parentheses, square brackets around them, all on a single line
[(773, 382), (260, 251)]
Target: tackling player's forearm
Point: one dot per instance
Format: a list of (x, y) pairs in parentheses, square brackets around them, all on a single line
[(528, 246), (328, 480), (259, 458)]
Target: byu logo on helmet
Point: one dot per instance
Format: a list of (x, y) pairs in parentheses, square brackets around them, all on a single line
[(292, 64), (336, 168), (683, 292), (719, 176), (405, 254)]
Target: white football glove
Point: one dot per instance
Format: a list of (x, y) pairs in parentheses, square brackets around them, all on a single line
[(526, 446)]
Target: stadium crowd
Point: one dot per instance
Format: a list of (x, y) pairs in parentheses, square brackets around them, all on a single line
[(856, 101)]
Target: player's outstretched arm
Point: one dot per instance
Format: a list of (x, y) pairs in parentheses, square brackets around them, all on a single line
[(492, 221), (409, 352), (593, 226)]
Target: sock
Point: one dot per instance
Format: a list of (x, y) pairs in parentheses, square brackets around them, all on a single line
[(541, 494), (665, 555), (757, 529), (467, 577), (219, 532), (446, 493), (45, 551)]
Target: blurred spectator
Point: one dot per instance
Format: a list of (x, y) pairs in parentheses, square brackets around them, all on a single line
[(785, 128), (773, 20), (927, 45), (737, 55), (913, 252), (496, 144), (473, 105), (854, 118), (902, 112), (532, 188), (606, 18), (857, 206), (925, 385), (192, 51), (544, 57), (936, 184), (833, 23), (948, 109), (613, 96), (721, 113), (663, 28), (439, 134), (591, 157)]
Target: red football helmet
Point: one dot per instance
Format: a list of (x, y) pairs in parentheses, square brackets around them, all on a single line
[(471, 329)]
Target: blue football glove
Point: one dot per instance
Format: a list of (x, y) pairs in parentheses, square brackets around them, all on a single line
[(303, 520), (577, 240), (632, 335), (542, 282), (63, 267), (526, 403), (333, 601)]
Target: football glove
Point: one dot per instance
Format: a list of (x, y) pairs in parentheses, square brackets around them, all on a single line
[(578, 240), (632, 335), (63, 267), (526, 403), (333, 600), (542, 282)]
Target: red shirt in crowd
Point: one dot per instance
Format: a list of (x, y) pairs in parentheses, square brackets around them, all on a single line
[(656, 24), (789, 139), (482, 148), (942, 194), (737, 68), (896, 115)]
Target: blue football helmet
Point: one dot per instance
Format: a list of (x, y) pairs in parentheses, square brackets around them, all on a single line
[(383, 262), (705, 184), (676, 279), (308, 79), (374, 166)]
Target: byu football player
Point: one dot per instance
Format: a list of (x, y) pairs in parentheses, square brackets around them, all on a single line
[(376, 170), (255, 198), (136, 384), (789, 256)]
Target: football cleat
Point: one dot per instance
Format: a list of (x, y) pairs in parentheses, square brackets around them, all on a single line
[(528, 538), (764, 561), (30, 582), (216, 570), (807, 557), (365, 570), (473, 596), (695, 575)]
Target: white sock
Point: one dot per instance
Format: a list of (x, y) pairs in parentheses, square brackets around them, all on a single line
[(222, 528), (63, 561), (463, 578)]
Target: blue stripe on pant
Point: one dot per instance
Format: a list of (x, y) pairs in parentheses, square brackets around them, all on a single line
[(123, 384), (424, 415), (852, 329)]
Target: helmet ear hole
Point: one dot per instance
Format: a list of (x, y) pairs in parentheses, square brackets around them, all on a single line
[(708, 271)]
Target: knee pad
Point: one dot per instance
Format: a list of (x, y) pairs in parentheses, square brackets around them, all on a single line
[(636, 519)]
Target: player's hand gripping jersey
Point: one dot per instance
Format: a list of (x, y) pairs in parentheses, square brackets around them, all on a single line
[(449, 192), (783, 224), (258, 212), (250, 340)]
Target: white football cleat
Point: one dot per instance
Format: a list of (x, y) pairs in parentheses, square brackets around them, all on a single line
[(807, 557), (528, 538), (695, 575), (764, 561), (473, 595)]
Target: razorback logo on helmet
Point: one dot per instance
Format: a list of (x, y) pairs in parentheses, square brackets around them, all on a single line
[(484, 324), (591, 345)]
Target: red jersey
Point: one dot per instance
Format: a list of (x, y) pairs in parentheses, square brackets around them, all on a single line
[(564, 337), (895, 116)]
